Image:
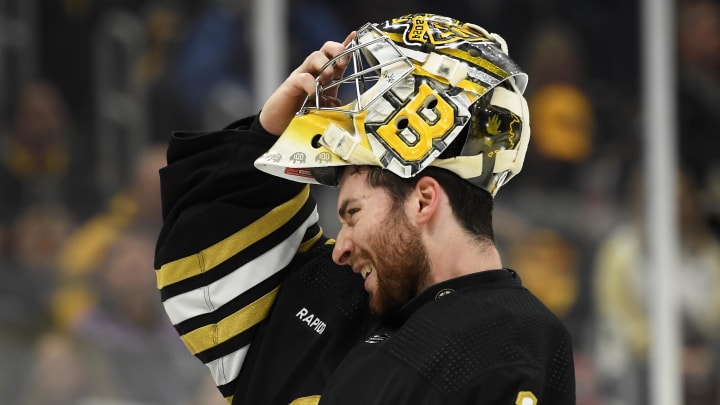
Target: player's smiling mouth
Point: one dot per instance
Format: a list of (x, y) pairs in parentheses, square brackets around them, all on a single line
[(365, 271)]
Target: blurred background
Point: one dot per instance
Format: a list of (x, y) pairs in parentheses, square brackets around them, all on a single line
[(90, 91)]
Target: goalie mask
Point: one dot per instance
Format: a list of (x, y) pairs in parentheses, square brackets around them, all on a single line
[(423, 90)]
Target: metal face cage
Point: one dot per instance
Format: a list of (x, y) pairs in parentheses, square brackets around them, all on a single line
[(377, 63)]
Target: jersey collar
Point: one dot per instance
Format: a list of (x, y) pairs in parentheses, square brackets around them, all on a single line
[(480, 279)]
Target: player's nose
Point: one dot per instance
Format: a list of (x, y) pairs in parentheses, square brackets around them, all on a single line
[(343, 247)]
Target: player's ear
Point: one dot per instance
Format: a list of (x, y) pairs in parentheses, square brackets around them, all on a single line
[(428, 193)]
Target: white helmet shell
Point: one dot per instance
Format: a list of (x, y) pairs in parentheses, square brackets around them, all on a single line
[(417, 82)]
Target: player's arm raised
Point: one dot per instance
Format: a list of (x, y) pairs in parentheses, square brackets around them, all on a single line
[(230, 230)]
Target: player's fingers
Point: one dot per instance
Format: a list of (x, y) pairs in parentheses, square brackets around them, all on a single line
[(281, 106), (342, 63), (336, 52), (318, 62), (300, 84), (285, 101)]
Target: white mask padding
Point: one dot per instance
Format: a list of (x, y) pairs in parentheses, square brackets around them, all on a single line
[(512, 160), (347, 146), (467, 167), (339, 141), (451, 69)]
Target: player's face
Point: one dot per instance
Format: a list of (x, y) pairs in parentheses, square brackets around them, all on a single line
[(379, 242)]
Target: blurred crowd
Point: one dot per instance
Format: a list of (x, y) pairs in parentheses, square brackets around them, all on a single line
[(83, 135)]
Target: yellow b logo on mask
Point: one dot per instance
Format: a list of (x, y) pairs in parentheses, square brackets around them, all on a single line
[(413, 129)]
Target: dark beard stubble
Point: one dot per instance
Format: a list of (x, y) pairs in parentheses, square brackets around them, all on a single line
[(402, 265)]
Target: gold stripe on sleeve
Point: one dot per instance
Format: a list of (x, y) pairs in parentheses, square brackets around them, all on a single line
[(305, 246), (311, 400), (193, 265), (214, 334)]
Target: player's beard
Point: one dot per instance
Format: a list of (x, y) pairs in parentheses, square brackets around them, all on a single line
[(401, 264)]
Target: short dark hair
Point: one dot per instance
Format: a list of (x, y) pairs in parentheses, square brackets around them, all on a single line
[(471, 205)]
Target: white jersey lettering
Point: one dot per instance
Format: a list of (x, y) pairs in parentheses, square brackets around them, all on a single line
[(311, 320)]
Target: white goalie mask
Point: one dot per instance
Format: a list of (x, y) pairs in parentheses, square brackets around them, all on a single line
[(423, 90)]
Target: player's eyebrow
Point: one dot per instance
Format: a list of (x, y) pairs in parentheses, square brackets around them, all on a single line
[(342, 210)]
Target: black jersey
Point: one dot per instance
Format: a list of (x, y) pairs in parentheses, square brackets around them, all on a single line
[(246, 277), (476, 339)]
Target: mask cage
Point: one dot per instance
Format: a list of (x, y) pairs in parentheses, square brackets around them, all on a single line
[(371, 48)]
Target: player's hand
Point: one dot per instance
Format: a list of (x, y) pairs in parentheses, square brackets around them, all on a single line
[(287, 99)]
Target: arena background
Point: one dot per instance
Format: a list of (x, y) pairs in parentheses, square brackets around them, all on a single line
[(90, 91)]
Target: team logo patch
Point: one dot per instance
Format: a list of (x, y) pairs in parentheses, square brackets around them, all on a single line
[(434, 29), (444, 292), (377, 338), (526, 398)]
